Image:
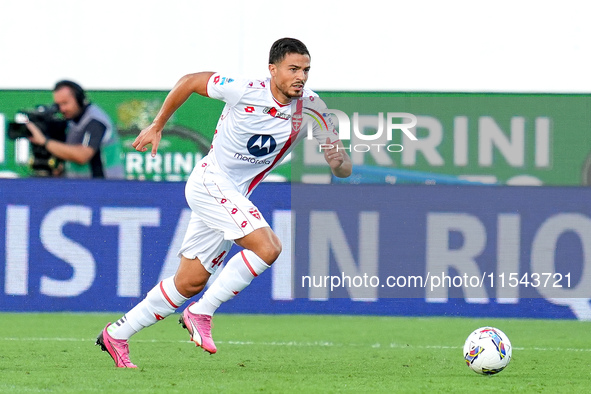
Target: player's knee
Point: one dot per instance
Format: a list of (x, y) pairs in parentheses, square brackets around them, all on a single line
[(270, 251), (264, 243), (189, 287)]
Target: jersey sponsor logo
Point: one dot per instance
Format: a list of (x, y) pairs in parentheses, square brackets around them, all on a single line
[(261, 145), (249, 109), (254, 212), (275, 113), (224, 80), (251, 160)]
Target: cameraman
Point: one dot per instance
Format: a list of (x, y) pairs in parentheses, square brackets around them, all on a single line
[(92, 148)]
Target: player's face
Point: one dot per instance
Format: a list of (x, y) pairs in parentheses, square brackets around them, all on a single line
[(289, 76), (66, 101)]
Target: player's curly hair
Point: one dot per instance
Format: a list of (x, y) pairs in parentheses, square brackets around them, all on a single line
[(286, 45)]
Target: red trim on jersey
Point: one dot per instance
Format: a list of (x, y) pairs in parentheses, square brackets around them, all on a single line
[(166, 296), (279, 104), (257, 179), (248, 264), (331, 143)]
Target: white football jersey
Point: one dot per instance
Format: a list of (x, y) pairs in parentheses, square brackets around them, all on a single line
[(255, 132)]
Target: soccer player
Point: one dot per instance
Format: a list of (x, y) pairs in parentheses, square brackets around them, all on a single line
[(258, 127)]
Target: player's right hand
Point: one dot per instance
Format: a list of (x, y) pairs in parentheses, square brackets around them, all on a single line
[(149, 135)]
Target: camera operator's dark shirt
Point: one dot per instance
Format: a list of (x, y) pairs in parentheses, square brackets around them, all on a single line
[(93, 128)]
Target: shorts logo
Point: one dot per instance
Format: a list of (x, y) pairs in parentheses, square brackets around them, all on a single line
[(254, 212), (261, 145)]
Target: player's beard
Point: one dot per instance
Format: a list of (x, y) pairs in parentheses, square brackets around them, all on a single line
[(294, 92), (289, 91)]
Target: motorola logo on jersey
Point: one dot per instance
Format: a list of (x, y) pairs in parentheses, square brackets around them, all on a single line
[(261, 145)]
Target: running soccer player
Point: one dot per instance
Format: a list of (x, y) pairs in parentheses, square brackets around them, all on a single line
[(259, 125)]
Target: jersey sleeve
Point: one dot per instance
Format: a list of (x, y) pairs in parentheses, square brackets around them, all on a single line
[(317, 113), (226, 88)]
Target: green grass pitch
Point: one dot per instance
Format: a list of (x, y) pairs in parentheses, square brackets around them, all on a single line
[(55, 352)]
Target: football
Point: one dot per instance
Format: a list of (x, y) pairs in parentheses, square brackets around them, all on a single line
[(487, 351)]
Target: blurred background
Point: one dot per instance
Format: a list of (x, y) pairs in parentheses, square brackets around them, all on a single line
[(423, 45)]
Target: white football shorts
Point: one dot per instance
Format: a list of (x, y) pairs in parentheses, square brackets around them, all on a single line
[(220, 214)]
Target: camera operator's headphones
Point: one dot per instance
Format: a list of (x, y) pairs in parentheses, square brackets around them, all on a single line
[(79, 93)]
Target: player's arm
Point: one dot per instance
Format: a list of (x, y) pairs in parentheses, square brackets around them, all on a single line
[(187, 85), (337, 158)]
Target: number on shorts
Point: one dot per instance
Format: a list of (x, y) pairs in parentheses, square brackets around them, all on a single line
[(218, 260)]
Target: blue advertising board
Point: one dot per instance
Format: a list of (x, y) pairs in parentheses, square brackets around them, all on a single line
[(349, 249)]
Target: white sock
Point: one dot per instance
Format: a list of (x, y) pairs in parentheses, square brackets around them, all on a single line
[(235, 276), (160, 302)]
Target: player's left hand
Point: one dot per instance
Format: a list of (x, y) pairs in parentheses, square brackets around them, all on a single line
[(333, 156), (151, 135)]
